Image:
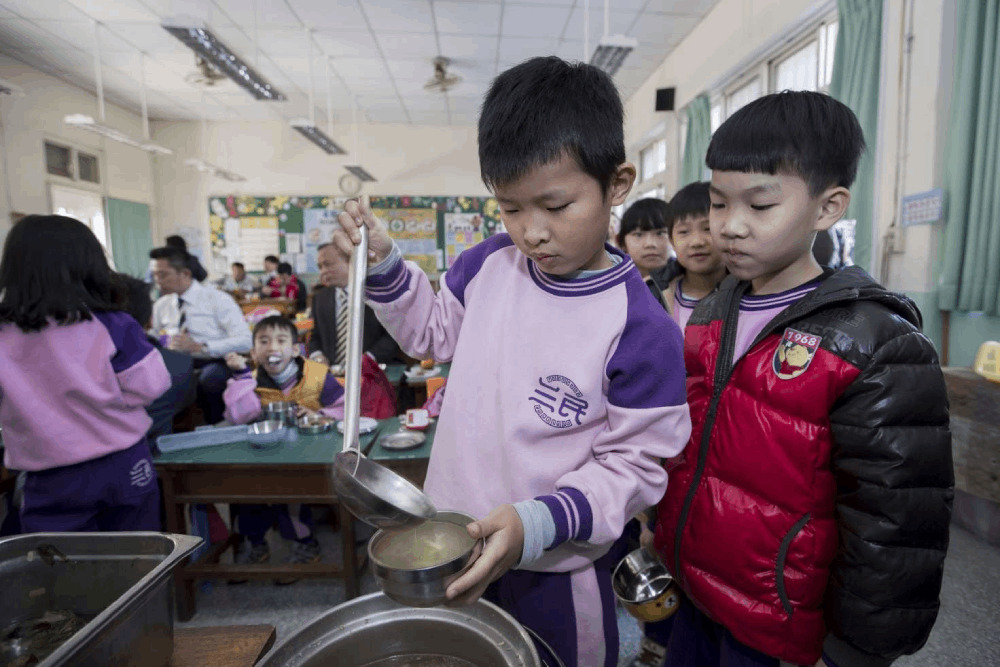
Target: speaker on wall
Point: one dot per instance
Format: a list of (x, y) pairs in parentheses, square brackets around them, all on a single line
[(665, 99)]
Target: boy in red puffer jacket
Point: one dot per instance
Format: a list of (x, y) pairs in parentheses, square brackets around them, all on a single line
[(808, 521)]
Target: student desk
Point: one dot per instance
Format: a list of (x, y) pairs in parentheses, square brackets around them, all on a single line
[(297, 471)]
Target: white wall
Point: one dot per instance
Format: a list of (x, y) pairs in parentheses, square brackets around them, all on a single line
[(28, 121), (276, 160)]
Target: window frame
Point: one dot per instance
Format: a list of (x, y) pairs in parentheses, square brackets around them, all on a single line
[(74, 178)]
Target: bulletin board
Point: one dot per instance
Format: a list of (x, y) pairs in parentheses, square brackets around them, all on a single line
[(431, 231)]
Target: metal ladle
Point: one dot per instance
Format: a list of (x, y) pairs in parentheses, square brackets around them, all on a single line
[(371, 492)]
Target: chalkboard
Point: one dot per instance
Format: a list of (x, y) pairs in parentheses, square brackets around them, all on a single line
[(431, 231)]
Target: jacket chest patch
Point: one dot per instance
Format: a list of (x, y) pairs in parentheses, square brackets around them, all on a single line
[(559, 402), (794, 354)]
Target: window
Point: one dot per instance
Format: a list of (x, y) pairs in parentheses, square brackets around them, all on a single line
[(682, 129), (58, 160), (809, 64), (87, 168), (715, 115), (68, 162), (84, 205), (653, 160), (827, 47), (743, 95), (799, 70)]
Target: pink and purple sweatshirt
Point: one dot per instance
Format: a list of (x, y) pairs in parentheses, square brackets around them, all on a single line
[(568, 391), (77, 392)]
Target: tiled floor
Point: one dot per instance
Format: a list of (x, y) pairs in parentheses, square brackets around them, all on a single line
[(967, 633)]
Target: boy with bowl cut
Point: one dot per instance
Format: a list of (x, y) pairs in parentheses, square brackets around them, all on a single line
[(567, 384), (821, 449)]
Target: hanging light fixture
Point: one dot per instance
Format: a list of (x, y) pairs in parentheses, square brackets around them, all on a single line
[(307, 128), (201, 40), (357, 170), (611, 51), (86, 122)]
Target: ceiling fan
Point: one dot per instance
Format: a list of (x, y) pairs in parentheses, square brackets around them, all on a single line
[(205, 74), (443, 80)]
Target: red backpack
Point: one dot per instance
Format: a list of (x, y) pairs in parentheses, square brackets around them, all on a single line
[(378, 398)]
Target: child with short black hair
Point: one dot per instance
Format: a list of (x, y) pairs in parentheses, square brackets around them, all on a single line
[(697, 255), (566, 385), (808, 521), (643, 235), (281, 375), (76, 373)]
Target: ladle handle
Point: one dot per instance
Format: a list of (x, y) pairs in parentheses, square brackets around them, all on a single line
[(355, 333)]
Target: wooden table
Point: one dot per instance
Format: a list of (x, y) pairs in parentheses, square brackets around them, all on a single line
[(222, 646), (298, 471)]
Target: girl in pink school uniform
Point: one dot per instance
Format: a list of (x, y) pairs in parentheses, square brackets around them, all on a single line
[(76, 373)]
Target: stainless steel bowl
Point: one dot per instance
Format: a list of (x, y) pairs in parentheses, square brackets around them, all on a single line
[(644, 586), (374, 630), (267, 433), (414, 566), (284, 411), (313, 424)]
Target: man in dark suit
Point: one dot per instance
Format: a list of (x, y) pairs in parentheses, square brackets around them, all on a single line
[(329, 310)]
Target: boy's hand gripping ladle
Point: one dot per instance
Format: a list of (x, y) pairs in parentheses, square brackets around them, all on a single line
[(371, 492)]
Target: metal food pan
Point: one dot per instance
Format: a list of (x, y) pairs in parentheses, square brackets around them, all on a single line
[(121, 582)]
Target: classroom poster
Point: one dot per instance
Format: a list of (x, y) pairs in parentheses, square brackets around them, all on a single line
[(258, 238), (415, 232), (461, 231), (319, 225)]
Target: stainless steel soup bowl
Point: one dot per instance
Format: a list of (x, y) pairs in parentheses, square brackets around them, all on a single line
[(283, 411), (423, 586)]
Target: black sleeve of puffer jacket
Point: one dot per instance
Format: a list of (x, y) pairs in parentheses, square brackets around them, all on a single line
[(895, 483)]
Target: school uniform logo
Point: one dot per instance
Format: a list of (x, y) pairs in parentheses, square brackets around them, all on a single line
[(141, 473), (794, 354), (559, 402)]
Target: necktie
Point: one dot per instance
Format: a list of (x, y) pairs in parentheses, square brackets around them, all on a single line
[(183, 315), (342, 315)]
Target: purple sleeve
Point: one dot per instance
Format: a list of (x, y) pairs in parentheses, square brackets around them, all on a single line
[(647, 367), (130, 340), (139, 367), (470, 262), (332, 391)]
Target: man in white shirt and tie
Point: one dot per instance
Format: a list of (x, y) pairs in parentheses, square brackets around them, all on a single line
[(201, 321), (328, 343)]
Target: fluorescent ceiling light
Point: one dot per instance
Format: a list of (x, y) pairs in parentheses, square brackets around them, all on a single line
[(209, 168), (360, 172), (317, 136), (611, 53), (204, 43), (85, 122)]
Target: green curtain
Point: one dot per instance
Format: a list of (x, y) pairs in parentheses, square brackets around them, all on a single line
[(855, 83), (970, 275), (131, 239), (699, 134)]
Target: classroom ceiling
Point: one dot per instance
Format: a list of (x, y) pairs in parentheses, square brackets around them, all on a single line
[(380, 52)]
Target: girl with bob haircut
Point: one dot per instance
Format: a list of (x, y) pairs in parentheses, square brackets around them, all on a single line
[(77, 375)]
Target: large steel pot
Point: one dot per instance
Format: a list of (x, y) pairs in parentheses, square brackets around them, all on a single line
[(374, 630)]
